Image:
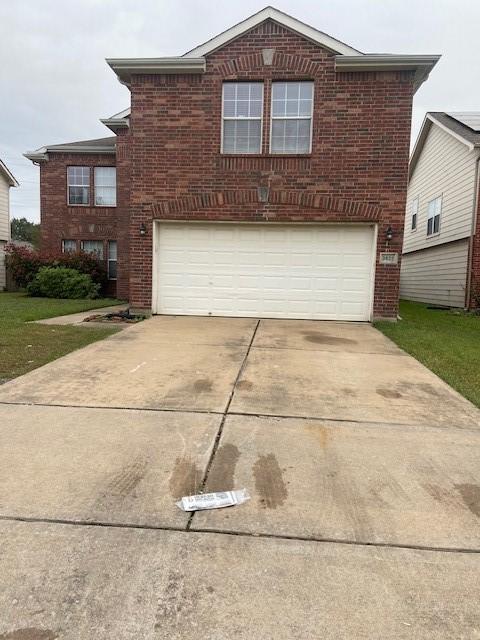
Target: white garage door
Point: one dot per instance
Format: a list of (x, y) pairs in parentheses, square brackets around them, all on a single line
[(272, 271)]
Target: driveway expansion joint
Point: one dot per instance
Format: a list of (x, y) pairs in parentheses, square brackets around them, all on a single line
[(224, 417), (240, 534)]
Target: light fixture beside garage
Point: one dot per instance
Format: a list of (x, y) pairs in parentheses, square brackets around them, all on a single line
[(143, 229)]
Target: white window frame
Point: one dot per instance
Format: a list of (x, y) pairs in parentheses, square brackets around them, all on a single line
[(272, 118), (414, 213), (432, 215), (79, 204), (69, 250), (109, 260), (95, 186), (249, 153), (102, 257)]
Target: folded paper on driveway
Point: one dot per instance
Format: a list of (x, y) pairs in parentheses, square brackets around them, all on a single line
[(213, 500)]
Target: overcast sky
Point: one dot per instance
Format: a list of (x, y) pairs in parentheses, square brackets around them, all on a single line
[(55, 84)]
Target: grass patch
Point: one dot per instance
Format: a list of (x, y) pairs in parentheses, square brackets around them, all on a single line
[(446, 342), (24, 347)]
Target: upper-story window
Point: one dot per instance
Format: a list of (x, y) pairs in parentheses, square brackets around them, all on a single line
[(242, 112), (292, 109), (105, 186), (434, 213), (414, 214), (78, 184)]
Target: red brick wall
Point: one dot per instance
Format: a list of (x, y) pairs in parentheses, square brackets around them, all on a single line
[(357, 170), (61, 221)]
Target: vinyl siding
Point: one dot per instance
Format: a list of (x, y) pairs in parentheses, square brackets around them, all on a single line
[(436, 275), (2, 266), (4, 203), (446, 168)]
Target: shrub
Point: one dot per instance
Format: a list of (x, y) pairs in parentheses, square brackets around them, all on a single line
[(60, 282), (24, 264)]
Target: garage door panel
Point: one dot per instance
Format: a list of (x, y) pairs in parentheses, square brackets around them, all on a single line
[(318, 272)]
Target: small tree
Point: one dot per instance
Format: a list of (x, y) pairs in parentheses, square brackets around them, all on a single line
[(25, 230)]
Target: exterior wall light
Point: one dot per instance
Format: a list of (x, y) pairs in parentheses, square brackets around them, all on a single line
[(143, 229), (389, 234)]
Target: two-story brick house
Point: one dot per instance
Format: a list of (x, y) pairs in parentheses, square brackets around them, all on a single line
[(263, 173)]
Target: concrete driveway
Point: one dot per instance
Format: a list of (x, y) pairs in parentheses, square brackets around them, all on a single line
[(364, 471)]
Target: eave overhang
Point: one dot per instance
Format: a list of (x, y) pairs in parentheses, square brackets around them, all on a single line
[(42, 154), (421, 64), (115, 124), (126, 67)]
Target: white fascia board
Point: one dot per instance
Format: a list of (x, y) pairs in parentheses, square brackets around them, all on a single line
[(115, 123), (421, 64), (121, 114), (12, 181), (126, 67), (42, 154), (270, 13)]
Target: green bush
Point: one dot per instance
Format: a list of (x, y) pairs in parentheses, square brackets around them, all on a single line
[(60, 282), (23, 264)]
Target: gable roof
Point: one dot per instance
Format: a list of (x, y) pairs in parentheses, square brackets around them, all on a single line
[(347, 59), (98, 145), (5, 171), (449, 123), (270, 13)]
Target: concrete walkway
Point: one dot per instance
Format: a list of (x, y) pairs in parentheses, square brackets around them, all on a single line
[(363, 466)]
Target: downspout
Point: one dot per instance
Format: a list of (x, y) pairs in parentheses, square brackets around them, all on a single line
[(472, 234)]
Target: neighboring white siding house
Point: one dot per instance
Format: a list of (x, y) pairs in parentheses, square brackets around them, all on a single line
[(6, 181), (443, 187)]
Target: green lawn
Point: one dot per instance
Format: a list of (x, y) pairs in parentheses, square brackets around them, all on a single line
[(26, 346), (448, 343)]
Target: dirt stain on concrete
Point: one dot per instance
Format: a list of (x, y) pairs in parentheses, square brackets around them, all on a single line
[(124, 482), (347, 391), (186, 478), (317, 337), (388, 393), (269, 482), (222, 473), (319, 432), (245, 385), (471, 497), (202, 385), (29, 633)]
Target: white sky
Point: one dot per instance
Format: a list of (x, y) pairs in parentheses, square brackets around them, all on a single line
[(55, 84)]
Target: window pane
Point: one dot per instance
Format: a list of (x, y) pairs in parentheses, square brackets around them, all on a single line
[(78, 195), (105, 186), (69, 246), (414, 221), (105, 196), (436, 224), (78, 176), (241, 136), (93, 246), (112, 249), (429, 226), (291, 136), (112, 269)]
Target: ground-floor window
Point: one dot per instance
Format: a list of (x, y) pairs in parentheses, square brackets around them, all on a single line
[(93, 246), (69, 246), (112, 260)]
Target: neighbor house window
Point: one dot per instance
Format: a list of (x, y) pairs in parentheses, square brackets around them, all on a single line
[(434, 212), (105, 186), (414, 214), (112, 259), (93, 246), (69, 246), (242, 110), (78, 182), (292, 109)]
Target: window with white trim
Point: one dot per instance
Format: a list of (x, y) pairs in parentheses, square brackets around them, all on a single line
[(78, 185), (112, 260), (69, 246), (292, 110), (434, 213), (414, 214), (93, 246), (105, 186), (242, 115)]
